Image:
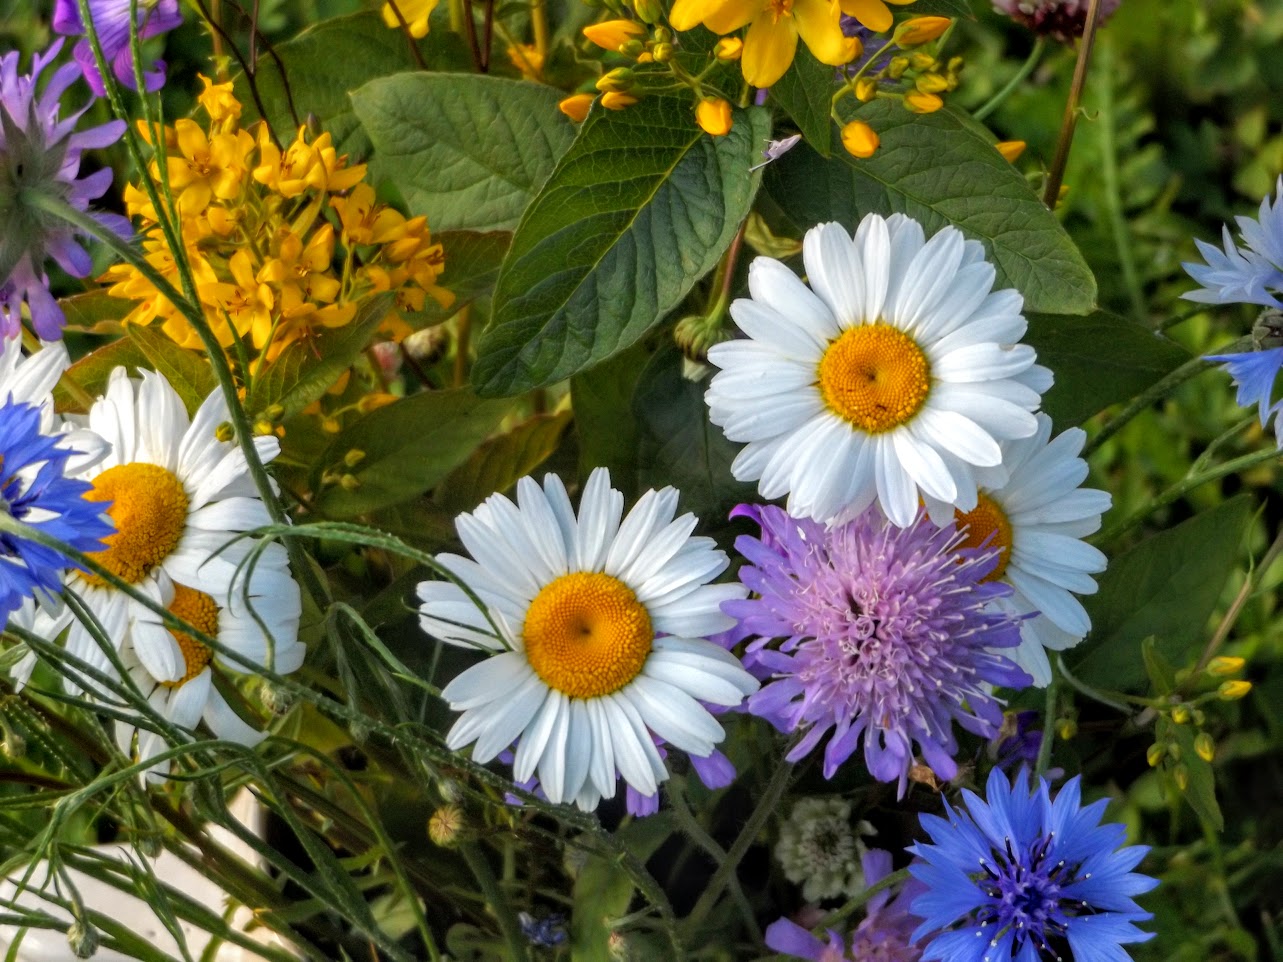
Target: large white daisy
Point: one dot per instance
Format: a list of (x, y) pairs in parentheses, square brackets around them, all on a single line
[(30, 379), (895, 374), (178, 494), (602, 621), (260, 624), (1037, 520)]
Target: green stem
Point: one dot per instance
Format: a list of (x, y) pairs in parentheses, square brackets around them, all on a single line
[(856, 902), (1250, 584), (1048, 728), (766, 806), (1056, 174), (1112, 185), (1026, 68), (489, 886)]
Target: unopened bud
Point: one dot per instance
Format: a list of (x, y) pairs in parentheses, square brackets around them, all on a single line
[(349, 482), (83, 939), (920, 30), (1205, 747), (921, 61), (1234, 690), (1174, 751), (866, 88), (1066, 729), (263, 427), (931, 83), (649, 11), (225, 432), (612, 33), (1181, 774), (331, 425), (1155, 754), (1224, 665), (897, 67), (1011, 150), (617, 101), (663, 35), (274, 412), (920, 103), (276, 698), (576, 108), (619, 80), (859, 139), (632, 48), (662, 52), (1181, 714), (714, 116), (729, 49), (445, 825), (354, 457)]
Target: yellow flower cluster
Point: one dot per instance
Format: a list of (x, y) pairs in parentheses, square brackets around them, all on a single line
[(281, 243)]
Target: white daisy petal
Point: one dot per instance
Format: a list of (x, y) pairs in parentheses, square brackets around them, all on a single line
[(832, 268)]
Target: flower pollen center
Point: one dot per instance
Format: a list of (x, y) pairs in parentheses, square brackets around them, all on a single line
[(587, 635), (149, 509), (986, 525), (875, 377), (198, 610), (779, 9)]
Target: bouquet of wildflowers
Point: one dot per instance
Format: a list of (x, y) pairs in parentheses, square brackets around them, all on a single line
[(639, 480)]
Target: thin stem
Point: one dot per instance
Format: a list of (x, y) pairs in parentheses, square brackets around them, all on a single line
[(1250, 584), (1057, 173), (539, 25), (856, 902), (1026, 68), (462, 335), (766, 806), (1048, 729), (489, 887)]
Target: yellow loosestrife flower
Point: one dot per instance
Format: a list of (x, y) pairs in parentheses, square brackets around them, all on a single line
[(1011, 150), (714, 116), (859, 139), (613, 34), (414, 12), (774, 27), (921, 30), (874, 14), (576, 106), (614, 100)]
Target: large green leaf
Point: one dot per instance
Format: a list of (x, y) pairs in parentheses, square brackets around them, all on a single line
[(332, 58), (603, 402), (188, 373), (1098, 360), (805, 92), (468, 151), (405, 449), (941, 169), (641, 206), (89, 375), (498, 464), (95, 312), (1166, 587)]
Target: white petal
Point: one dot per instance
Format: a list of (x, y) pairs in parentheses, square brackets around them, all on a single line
[(779, 289), (673, 715), (491, 680), (833, 269)]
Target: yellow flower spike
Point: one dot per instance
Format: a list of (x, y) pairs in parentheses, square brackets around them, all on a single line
[(1223, 665), (729, 49), (859, 139), (920, 103), (617, 101), (613, 34), (920, 30), (415, 13), (1011, 150), (714, 116), (219, 102), (576, 106)]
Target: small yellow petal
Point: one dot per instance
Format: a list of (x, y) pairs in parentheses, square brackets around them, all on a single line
[(768, 49), (920, 103), (872, 13), (921, 30), (1011, 150), (612, 34)]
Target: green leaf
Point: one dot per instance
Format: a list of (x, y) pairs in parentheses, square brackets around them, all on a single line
[(805, 92), (1200, 792), (501, 461), (306, 369), (91, 372), (1161, 673), (468, 151), (187, 371), (333, 57), (678, 445), (471, 266), (1166, 587), (640, 208), (941, 8), (941, 169), (95, 312), (603, 403), (1098, 360), (601, 895), (406, 448)]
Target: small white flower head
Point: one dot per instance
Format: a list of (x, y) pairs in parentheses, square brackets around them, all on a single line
[(896, 375), (820, 848)]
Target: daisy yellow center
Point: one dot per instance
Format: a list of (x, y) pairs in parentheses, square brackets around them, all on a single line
[(198, 610), (587, 635), (149, 508), (985, 520), (875, 377)]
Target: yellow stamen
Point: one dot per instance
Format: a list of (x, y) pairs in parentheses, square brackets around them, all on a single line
[(198, 610), (875, 377), (986, 519), (587, 635), (149, 508), (779, 8)]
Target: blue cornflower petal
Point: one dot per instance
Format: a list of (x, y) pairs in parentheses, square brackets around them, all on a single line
[(1251, 275), (1255, 373)]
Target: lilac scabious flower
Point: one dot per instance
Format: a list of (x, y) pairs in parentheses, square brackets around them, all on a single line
[(1023, 878), (886, 634), (40, 154), (885, 934), (1251, 274), (111, 23), (1062, 19), (35, 491)]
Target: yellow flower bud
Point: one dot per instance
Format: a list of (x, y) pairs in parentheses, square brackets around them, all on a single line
[(714, 116), (331, 425), (662, 52), (445, 825), (859, 139), (354, 457), (897, 67), (612, 34), (931, 83), (349, 482), (1180, 714), (576, 106), (866, 88), (617, 101), (1011, 150), (650, 11), (1233, 690), (728, 49), (1154, 754), (225, 432), (1066, 729), (922, 61), (1181, 774), (1223, 665), (618, 80), (920, 30), (262, 427), (1205, 747), (920, 103)]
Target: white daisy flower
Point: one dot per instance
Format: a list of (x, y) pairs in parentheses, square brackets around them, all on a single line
[(601, 643), (895, 374), (30, 379), (178, 495), (1037, 520), (269, 640)]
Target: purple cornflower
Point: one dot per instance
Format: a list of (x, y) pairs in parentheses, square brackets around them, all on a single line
[(1244, 275), (886, 633), (885, 935), (40, 154), (1023, 878), (111, 23), (34, 491), (1062, 19)]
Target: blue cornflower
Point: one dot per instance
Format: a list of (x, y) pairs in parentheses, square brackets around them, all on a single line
[(33, 490), (1023, 878), (545, 933), (1255, 373), (1244, 275)]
